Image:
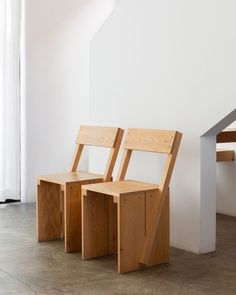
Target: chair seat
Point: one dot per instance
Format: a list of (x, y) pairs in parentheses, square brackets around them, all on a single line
[(68, 177), (118, 188)]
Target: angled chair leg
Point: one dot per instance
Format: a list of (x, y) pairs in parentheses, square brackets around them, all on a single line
[(48, 211)]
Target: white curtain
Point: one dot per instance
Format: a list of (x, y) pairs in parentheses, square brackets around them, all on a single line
[(10, 11)]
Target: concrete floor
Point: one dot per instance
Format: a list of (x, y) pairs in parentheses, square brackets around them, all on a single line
[(27, 267)]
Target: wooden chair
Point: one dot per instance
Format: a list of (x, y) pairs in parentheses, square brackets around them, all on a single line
[(131, 217), (58, 203)]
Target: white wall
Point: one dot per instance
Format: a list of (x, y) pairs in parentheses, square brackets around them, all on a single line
[(55, 82), (168, 64), (226, 182)]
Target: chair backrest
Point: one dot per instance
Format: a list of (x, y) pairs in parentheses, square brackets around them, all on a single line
[(109, 137), (152, 140)]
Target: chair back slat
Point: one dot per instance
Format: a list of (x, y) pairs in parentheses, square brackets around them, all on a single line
[(97, 136), (109, 137), (150, 140)]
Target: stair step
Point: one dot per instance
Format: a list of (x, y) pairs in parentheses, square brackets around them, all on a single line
[(225, 155), (228, 135)]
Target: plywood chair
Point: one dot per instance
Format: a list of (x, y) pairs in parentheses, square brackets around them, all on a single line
[(59, 196), (131, 217)]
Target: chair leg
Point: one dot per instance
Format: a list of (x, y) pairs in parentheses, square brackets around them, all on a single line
[(131, 230), (48, 211), (134, 215), (72, 217), (112, 225), (62, 213), (160, 248), (95, 236)]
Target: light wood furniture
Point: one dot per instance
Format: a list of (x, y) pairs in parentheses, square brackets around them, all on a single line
[(131, 217), (225, 155), (227, 135), (58, 203)]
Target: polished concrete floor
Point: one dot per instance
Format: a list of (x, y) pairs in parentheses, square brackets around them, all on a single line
[(27, 267)]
